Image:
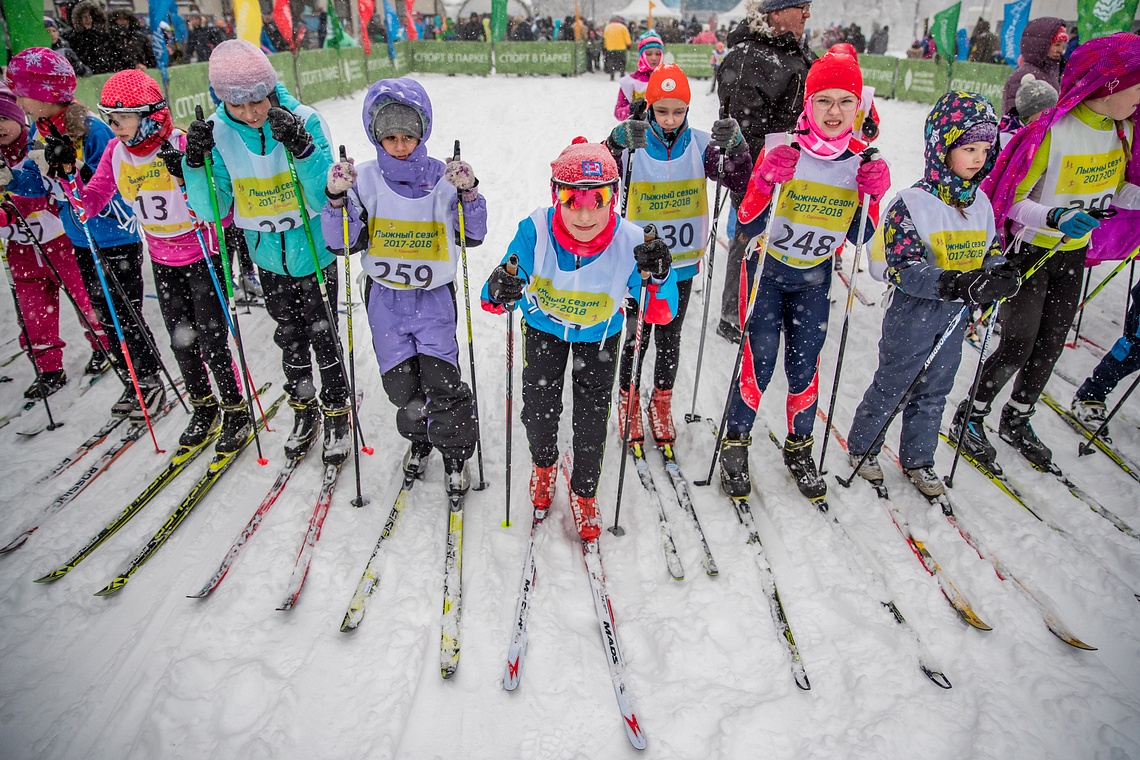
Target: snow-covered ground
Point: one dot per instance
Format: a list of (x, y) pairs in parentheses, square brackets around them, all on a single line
[(148, 673)]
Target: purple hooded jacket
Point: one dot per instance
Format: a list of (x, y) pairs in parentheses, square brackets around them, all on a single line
[(1035, 41), (413, 177)]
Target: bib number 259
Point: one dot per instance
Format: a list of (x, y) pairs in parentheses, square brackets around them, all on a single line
[(403, 274)]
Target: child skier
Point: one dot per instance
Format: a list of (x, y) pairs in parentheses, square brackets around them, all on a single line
[(1034, 96), (36, 286), (671, 159), (650, 49), (930, 248), (1046, 190), (247, 138), (44, 83), (404, 218), (577, 261), (134, 107), (825, 183)]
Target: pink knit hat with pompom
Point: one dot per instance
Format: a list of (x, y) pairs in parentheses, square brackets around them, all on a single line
[(41, 74), (585, 164), (240, 72)]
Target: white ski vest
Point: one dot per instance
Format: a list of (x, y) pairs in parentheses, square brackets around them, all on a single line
[(144, 182), (410, 243), (673, 196), (589, 295), (44, 225), (633, 89), (264, 199), (815, 211), (953, 242)]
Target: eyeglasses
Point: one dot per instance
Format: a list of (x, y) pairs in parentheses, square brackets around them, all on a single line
[(846, 105), (584, 197), (804, 9)]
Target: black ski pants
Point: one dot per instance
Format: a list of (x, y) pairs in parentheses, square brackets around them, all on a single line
[(667, 339)]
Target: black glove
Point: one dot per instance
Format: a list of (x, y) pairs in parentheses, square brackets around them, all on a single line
[(726, 134), (59, 153), (979, 285), (504, 287), (289, 130), (870, 127), (654, 257), (172, 157), (199, 142)]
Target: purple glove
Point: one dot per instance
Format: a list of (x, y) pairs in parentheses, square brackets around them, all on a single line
[(873, 179), (778, 166), (462, 177)]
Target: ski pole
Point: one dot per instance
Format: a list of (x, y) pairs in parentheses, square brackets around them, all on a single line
[(470, 338), (1130, 258), (303, 207), (73, 194), (31, 349), (1086, 446), (1128, 294), (1080, 311), (762, 252), (636, 111), (224, 297), (359, 501), (35, 242), (642, 297), (906, 394), (871, 154), (692, 416), (973, 394), (513, 270)]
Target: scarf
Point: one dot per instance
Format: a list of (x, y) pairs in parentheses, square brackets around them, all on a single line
[(812, 139), (153, 131), (17, 151), (588, 248)]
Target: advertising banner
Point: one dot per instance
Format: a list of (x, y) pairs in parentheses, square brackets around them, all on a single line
[(693, 59), (450, 57), (986, 79), (534, 57), (879, 72), (920, 80)]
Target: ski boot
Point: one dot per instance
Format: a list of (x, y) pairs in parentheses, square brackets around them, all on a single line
[(47, 384), (306, 423), (237, 428), (870, 471), (1015, 430), (661, 416), (734, 478), (797, 458), (1091, 414), (456, 471), (586, 519), (728, 331), (203, 421), (122, 408), (636, 434), (415, 460), (543, 481), (153, 397), (974, 443), (925, 479), (97, 364), (338, 434)]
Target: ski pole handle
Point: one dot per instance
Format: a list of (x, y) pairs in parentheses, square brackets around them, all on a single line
[(513, 266)]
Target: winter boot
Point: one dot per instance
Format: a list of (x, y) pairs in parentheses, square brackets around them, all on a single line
[(204, 420), (456, 470), (97, 364), (543, 481), (237, 428), (728, 331), (974, 442), (636, 434), (734, 478), (416, 459), (338, 434), (870, 471), (153, 397), (1015, 430), (661, 416), (797, 458), (1091, 414), (926, 480), (306, 423), (122, 408), (586, 520), (47, 384)]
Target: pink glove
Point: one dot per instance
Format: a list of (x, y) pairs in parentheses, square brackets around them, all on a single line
[(462, 177), (873, 179), (778, 166), (341, 177)]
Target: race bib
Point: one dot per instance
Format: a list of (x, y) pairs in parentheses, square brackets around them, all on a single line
[(408, 254), (43, 226), (584, 309), (811, 222), (266, 204), (959, 250)]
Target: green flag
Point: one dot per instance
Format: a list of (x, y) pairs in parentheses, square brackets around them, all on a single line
[(944, 30), (335, 37), (26, 26), (498, 20), (1100, 18)]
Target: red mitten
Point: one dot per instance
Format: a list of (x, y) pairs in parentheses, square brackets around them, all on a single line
[(778, 166), (873, 179)]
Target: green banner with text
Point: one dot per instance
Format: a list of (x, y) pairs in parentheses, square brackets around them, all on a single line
[(879, 72), (450, 57), (534, 57), (693, 59), (986, 79), (920, 81), (320, 74)]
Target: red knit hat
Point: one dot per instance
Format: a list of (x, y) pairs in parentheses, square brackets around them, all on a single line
[(667, 81), (585, 164), (834, 70)]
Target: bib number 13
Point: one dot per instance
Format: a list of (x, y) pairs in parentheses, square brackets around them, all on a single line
[(806, 244)]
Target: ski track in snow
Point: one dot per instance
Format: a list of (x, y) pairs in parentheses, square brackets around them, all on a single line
[(148, 673)]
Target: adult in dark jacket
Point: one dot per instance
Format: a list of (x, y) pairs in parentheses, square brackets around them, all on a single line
[(129, 42), (761, 85), (1042, 45), (201, 39), (472, 31), (88, 37), (59, 45), (984, 44), (880, 38)]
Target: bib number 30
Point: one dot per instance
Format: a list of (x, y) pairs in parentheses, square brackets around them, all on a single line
[(674, 235)]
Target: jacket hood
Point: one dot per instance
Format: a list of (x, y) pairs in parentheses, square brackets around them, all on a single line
[(1035, 41), (98, 17), (406, 92), (953, 115)]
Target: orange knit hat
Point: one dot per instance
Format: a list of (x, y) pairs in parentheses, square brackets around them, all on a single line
[(667, 81)]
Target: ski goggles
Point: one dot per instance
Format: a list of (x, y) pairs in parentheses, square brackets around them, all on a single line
[(597, 197), (149, 109)]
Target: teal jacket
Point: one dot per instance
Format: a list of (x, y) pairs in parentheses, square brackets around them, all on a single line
[(289, 252)]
